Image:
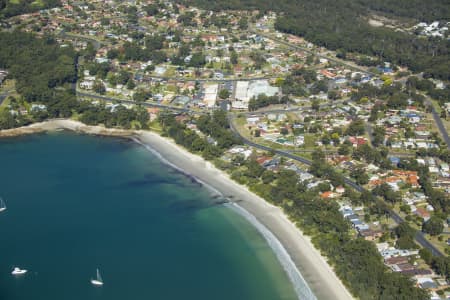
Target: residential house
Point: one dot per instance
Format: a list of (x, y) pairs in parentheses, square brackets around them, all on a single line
[(423, 213), (370, 235)]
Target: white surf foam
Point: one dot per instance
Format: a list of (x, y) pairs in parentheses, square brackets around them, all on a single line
[(301, 287)]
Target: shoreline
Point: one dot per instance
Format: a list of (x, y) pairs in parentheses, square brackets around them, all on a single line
[(311, 265)]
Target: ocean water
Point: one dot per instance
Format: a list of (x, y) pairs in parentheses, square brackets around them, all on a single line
[(77, 203)]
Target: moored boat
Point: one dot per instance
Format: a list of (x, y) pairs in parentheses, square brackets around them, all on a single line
[(18, 271), (98, 280)]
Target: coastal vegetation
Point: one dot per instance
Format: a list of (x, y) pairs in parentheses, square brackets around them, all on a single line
[(216, 140), (43, 71), (356, 261), (41, 68), (45, 75), (119, 116)]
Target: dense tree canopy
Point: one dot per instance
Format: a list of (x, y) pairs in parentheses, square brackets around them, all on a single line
[(188, 138), (43, 70), (355, 260), (10, 8), (216, 126), (433, 226), (342, 25)]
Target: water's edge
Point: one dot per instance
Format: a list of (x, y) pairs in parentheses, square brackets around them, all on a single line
[(301, 287)]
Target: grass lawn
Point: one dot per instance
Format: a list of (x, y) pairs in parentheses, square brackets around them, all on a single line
[(155, 126), (8, 86), (75, 116), (170, 72), (4, 104), (80, 36), (310, 141), (436, 105), (37, 3), (240, 121), (438, 108), (441, 245), (307, 155)]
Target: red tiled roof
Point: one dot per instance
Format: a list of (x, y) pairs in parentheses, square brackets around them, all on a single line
[(262, 159), (422, 212), (327, 74), (326, 195)]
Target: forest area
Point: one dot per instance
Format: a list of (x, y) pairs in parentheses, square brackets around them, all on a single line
[(342, 25), (41, 68), (10, 8)]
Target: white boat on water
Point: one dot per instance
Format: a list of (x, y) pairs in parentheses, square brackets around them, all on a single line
[(2, 205), (97, 281), (18, 271)]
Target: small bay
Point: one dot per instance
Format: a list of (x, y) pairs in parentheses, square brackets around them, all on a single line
[(76, 203)]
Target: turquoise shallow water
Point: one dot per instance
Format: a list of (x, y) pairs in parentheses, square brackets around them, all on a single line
[(77, 202)]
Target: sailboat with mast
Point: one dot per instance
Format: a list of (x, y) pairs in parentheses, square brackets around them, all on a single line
[(98, 281), (2, 205)]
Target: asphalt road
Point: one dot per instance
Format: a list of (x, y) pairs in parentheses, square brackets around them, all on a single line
[(440, 125), (293, 46), (97, 44), (293, 109), (3, 97), (222, 80), (146, 104), (420, 237)]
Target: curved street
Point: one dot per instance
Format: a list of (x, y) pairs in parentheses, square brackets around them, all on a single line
[(438, 121), (420, 236)]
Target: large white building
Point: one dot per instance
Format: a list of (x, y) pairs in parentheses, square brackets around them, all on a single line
[(246, 90), (210, 97)]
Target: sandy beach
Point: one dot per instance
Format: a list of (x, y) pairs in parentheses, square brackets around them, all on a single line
[(308, 260)]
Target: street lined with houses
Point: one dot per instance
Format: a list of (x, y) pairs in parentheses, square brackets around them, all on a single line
[(367, 138)]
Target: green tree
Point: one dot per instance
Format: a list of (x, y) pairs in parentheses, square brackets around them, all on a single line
[(99, 87), (345, 149), (268, 177), (234, 57), (197, 60), (315, 104), (7, 120), (360, 176), (243, 23), (113, 54), (355, 128), (333, 95), (141, 95), (434, 226), (405, 236), (224, 94), (130, 84), (426, 255)]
